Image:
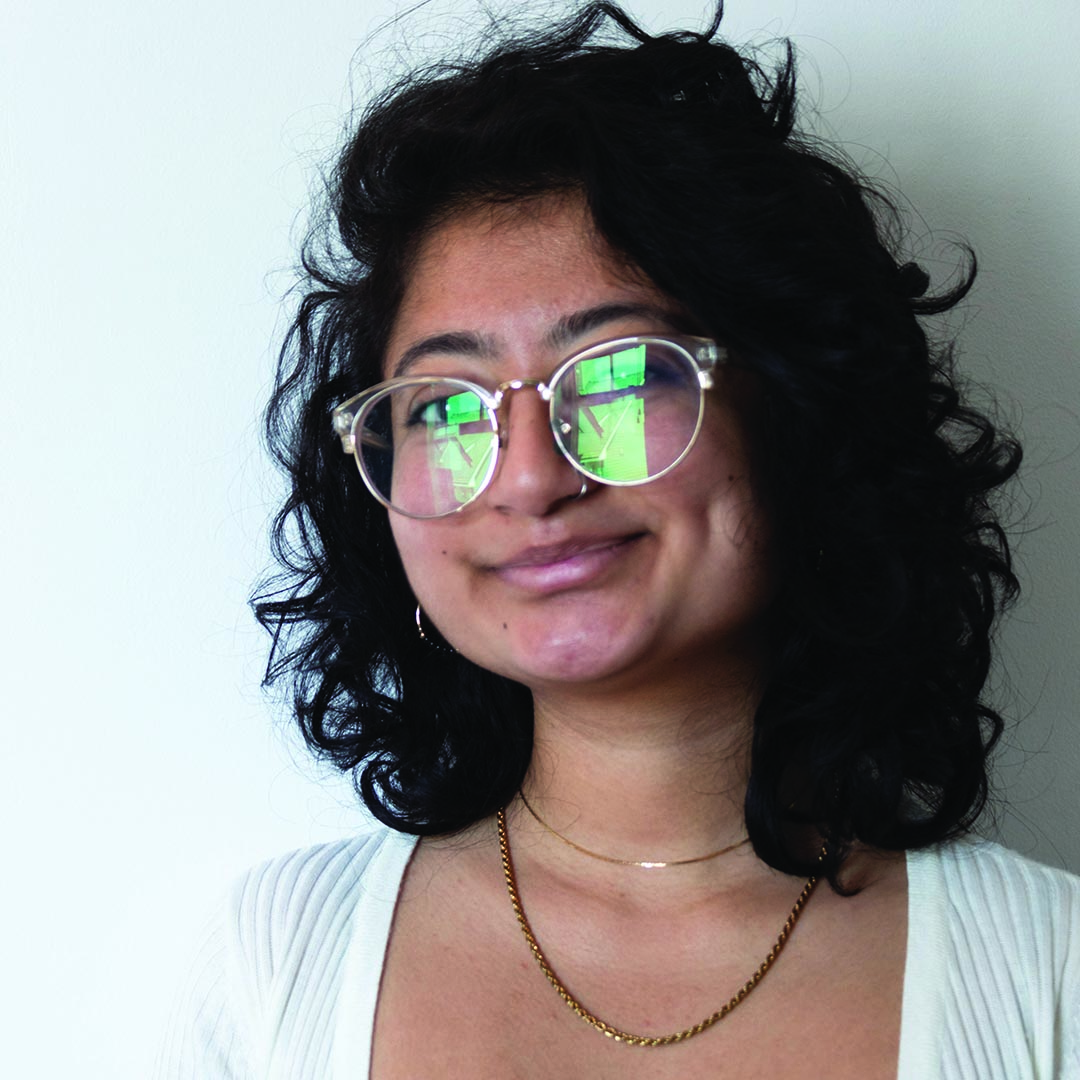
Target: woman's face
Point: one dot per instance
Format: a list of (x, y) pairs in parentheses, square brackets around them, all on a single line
[(626, 583)]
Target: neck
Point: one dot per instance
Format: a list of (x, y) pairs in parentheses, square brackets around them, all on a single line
[(644, 778)]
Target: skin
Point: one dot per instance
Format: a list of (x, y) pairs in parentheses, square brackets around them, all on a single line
[(634, 615), (623, 590)]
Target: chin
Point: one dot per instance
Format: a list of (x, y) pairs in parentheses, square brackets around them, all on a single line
[(582, 653)]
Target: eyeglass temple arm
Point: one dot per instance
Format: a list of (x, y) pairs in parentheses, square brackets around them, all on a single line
[(708, 356), (342, 421), (343, 428)]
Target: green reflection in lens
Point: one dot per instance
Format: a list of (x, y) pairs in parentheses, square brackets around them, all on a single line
[(611, 439), (458, 459), (602, 374), (611, 433), (463, 408)]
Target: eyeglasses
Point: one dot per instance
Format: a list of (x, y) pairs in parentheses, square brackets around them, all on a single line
[(623, 412)]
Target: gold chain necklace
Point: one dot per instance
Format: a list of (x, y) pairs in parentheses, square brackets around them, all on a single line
[(614, 1033), (645, 864)]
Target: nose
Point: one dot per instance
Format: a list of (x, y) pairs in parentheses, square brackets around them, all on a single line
[(533, 477)]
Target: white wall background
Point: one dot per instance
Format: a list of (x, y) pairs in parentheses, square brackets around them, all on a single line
[(154, 160)]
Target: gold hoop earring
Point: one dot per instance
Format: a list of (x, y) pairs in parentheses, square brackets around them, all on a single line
[(441, 646)]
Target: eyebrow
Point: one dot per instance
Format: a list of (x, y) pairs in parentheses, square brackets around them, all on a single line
[(562, 333), (578, 323), (453, 343)]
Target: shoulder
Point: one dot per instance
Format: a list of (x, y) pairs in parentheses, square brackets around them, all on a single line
[(264, 989), (996, 908), (982, 880), (286, 911), (994, 941)]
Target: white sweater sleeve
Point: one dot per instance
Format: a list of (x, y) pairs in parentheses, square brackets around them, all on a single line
[(993, 983), (206, 1036), (1015, 974), (264, 993)]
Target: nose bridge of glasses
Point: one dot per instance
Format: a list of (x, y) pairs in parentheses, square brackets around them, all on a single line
[(501, 398), (503, 389), (533, 471)]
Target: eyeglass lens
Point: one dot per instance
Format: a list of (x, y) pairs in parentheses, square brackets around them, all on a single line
[(622, 417)]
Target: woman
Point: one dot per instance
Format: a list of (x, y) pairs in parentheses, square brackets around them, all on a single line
[(662, 593)]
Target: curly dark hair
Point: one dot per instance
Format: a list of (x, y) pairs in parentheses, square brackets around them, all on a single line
[(878, 473)]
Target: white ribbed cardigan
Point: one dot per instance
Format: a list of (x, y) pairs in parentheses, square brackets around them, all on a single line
[(286, 985)]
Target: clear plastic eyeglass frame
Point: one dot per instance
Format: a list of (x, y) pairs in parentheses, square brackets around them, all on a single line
[(347, 418)]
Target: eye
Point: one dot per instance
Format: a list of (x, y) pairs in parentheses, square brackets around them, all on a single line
[(663, 366), (428, 414), (441, 407)]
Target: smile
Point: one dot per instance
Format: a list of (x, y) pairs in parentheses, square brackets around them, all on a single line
[(554, 567)]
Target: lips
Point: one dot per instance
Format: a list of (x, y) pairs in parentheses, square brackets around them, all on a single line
[(553, 567)]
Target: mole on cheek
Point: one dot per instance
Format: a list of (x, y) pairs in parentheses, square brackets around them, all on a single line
[(504, 626)]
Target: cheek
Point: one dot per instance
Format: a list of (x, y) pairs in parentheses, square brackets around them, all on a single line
[(728, 442), (411, 550), (423, 553), (732, 535)]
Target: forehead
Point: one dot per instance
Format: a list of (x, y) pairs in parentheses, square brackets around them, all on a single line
[(510, 273), (526, 234)]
